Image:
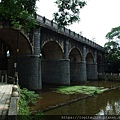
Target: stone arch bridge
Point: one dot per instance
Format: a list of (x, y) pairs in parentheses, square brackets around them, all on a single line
[(48, 54)]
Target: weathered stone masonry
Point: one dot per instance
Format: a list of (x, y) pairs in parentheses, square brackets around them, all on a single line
[(66, 56)]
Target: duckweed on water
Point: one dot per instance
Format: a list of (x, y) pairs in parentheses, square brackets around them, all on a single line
[(79, 89)]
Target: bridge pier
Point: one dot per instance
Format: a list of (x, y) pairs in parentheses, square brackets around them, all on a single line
[(92, 68), (78, 71), (83, 74), (29, 71), (92, 72), (56, 71)]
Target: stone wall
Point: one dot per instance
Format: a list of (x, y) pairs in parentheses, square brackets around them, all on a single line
[(78, 71), (29, 71), (92, 72), (56, 72)]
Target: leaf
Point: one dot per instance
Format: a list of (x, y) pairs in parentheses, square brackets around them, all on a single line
[(68, 11)]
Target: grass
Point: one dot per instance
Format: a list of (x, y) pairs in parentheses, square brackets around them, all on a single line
[(79, 89)]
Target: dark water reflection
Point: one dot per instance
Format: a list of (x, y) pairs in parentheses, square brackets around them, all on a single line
[(107, 103)]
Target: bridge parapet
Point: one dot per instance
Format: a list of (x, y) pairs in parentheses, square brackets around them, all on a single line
[(44, 22)]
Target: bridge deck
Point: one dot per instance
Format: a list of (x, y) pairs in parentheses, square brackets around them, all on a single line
[(5, 95)]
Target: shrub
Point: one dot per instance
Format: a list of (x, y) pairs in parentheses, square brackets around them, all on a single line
[(26, 98)]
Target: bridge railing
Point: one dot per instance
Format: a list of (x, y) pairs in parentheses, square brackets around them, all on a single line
[(54, 26)]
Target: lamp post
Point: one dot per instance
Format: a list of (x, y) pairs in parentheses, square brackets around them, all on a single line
[(16, 63)]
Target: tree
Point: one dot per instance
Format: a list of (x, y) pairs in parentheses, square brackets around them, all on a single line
[(68, 11), (114, 33), (20, 13), (113, 49), (113, 56)]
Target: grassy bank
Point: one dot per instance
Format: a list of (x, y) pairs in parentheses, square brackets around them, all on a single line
[(26, 98)]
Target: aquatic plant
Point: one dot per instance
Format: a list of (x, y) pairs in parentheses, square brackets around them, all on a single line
[(79, 89)]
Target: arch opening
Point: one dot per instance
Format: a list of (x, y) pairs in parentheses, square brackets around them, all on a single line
[(75, 65), (54, 67), (52, 51), (12, 37), (99, 60), (91, 67), (75, 55), (100, 65), (3, 56), (11, 41), (89, 58)]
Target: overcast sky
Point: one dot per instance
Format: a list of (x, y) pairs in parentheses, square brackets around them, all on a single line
[(97, 17)]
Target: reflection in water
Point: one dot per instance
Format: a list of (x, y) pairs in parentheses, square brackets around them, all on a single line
[(112, 108), (107, 103)]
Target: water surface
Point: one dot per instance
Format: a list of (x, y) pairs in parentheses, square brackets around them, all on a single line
[(53, 103), (107, 103)]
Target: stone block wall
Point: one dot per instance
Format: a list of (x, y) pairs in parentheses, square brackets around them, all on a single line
[(29, 71), (56, 72), (78, 71), (92, 72)]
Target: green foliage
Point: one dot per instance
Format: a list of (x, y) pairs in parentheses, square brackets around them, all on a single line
[(20, 13), (26, 98), (115, 32), (68, 11), (80, 89), (113, 51), (113, 56)]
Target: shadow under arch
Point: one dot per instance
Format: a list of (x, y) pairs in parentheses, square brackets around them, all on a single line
[(18, 45), (75, 55), (91, 67), (77, 73), (55, 69), (51, 50), (100, 65), (89, 58), (11, 36), (99, 59)]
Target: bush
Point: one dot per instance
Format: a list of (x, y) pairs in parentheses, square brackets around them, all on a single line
[(26, 98)]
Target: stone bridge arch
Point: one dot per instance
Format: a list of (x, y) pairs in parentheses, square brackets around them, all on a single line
[(22, 61), (100, 64), (75, 57), (54, 66), (3, 56), (52, 50), (16, 43), (91, 66), (89, 58), (11, 37)]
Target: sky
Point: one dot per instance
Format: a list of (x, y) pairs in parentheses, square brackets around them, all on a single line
[(97, 18)]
